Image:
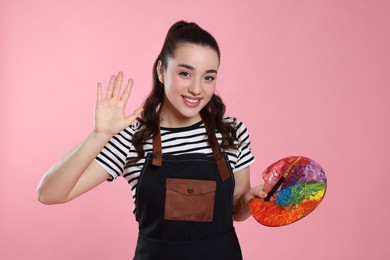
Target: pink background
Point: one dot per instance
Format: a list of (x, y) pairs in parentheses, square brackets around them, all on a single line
[(307, 77)]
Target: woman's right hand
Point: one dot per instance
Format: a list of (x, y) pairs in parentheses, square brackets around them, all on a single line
[(77, 171), (110, 117)]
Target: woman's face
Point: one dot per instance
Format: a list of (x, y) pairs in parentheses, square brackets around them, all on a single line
[(189, 82)]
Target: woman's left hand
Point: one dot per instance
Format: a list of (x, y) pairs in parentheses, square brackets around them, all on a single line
[(243, 194), (259, 191)]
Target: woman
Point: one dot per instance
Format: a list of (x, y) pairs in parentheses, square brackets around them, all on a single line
[(187, 164)]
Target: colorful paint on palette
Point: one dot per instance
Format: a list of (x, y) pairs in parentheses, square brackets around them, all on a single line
[(301, 192)]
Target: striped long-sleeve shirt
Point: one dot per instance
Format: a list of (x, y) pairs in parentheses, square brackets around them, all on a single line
[(175, 141)]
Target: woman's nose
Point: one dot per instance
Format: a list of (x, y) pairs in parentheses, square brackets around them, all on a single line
[(195, 88)]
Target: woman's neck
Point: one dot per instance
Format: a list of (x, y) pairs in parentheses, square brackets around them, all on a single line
[(175, 122)]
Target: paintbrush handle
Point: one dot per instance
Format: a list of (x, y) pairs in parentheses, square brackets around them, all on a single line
[(274, 188), (281, 180)]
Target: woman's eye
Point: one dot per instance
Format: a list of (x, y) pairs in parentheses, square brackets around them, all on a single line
[(209, 78), (184, 74)]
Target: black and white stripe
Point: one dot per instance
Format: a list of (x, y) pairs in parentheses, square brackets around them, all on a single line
[(175, 141)]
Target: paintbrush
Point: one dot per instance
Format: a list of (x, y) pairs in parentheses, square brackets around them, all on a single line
[(281, 180)]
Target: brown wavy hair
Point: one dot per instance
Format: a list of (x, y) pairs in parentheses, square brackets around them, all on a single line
[(212, 113)]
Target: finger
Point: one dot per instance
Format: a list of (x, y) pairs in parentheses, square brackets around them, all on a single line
[(110, 87), (259, 192), (134, 115), (99, 95), (267, 187), (262, 194), (126, 93), (118, 84)]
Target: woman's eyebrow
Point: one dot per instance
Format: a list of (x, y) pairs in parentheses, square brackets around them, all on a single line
[(192, 68)]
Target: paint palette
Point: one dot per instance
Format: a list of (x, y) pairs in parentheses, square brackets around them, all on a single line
[(296, 185)]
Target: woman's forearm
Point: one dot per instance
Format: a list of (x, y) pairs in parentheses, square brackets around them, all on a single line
[(241, 211), (62, 177)]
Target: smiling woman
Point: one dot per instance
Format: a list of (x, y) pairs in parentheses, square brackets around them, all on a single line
[(189, 80), (179, 158)]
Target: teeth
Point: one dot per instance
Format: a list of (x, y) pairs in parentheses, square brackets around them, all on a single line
[(192, 100)]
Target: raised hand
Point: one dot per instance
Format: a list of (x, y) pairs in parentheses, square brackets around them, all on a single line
[(110, 116)]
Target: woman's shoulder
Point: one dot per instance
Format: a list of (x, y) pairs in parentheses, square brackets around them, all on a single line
[(242, 132), (128, 132), (135, 126), (234, 121)]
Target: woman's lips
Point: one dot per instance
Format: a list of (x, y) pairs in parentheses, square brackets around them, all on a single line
[(191, 101)]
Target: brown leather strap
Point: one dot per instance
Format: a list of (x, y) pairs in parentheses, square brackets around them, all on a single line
[(218, 155), (157, 149)]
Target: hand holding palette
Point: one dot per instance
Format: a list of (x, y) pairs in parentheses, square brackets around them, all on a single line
[(296, 185)]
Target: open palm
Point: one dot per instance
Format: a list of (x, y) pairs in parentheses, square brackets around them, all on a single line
[(110, 117)]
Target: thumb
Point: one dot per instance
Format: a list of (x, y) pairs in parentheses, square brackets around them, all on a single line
[(267, 187), (134, 115), (258, 191)]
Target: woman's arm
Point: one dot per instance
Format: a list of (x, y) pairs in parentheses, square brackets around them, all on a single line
[(243, 193), (77, 172)]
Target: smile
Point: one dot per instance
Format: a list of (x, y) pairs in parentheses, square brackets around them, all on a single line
[(191, 100)]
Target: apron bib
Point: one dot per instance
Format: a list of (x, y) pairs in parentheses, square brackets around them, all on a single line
[(184, 207)]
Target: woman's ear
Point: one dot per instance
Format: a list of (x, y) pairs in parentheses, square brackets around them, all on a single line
[(160, 71)]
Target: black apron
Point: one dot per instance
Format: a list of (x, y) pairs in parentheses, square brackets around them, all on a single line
[(184, 207)]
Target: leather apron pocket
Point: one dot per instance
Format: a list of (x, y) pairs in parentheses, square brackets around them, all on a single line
[(188, 199)]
